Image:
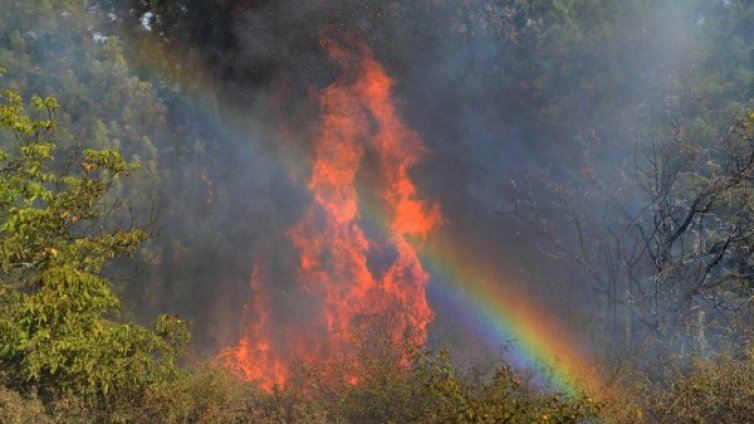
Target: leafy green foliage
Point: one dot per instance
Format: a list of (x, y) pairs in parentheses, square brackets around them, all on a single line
[(115, 94), (57, 334)]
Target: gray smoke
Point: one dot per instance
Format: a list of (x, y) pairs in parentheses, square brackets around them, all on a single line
[(465, 79)]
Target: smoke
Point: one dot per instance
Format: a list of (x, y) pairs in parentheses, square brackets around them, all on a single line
[(495, 89), (465, 79), (447, 69)]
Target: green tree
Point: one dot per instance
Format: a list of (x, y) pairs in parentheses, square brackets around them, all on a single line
[(57, 332)]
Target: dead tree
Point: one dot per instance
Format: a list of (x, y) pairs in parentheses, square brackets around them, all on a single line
[(666, 238)]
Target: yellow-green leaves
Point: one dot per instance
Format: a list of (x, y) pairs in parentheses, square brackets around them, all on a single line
[(53, 246), (46, 104)]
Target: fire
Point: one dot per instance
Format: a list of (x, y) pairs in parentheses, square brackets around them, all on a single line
[(265, 368), (336, 255)]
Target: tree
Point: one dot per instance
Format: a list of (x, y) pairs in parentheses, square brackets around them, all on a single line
[(57, 332), (666, 238)]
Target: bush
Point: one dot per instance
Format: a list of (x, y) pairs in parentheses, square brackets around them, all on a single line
[(16, 409), (716, 390)]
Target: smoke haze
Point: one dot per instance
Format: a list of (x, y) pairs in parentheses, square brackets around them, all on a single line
[(462, 81), (487, 109)]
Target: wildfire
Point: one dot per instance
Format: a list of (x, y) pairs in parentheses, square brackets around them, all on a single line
[(337, 257), (265, 367)]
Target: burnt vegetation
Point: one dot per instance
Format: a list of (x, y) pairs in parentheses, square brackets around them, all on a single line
[(599, 152)]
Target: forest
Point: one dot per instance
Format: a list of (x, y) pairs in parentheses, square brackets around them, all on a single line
[(359, 211)]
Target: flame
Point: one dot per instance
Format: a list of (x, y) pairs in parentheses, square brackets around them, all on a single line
[(358, 119), (253, 358)]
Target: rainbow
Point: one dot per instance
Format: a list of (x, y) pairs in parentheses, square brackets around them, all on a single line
[(505, 315)]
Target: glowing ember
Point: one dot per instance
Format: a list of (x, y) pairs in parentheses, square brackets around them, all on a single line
[(337, 257)]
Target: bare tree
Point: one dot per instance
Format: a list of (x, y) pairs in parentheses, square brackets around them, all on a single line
[(666, 237)]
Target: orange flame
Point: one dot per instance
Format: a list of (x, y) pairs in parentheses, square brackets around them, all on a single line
[(254, 360), (358, 118)]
